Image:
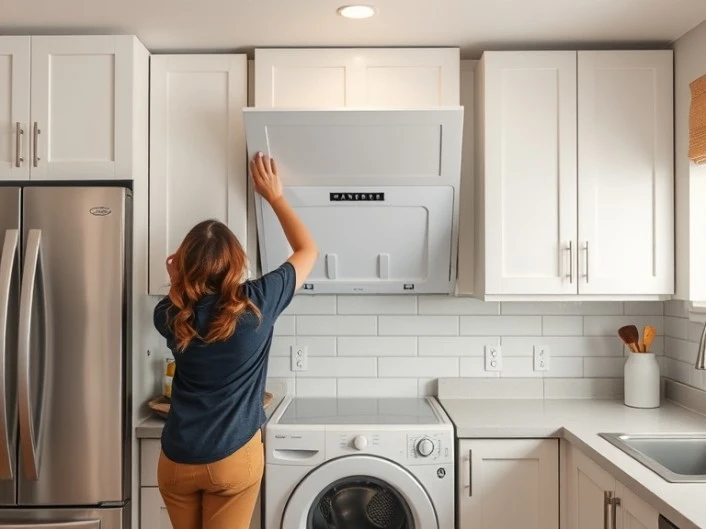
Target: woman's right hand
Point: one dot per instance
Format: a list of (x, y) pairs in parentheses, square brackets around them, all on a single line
[(265, 177)]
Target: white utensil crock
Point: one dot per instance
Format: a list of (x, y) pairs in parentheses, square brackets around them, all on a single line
[(642, 383)]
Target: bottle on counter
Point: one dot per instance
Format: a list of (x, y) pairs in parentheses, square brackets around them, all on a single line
[(169, 370)]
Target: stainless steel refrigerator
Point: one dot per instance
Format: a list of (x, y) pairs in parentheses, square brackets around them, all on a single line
[(64, 357)]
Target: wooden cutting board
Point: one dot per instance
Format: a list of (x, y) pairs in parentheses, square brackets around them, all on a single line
[(160, 405)]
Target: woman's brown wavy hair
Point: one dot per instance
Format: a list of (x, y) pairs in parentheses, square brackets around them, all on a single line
[(210, 261)]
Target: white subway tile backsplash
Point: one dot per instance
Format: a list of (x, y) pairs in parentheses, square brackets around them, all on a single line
[(417, 367), (681, 350), (337, 367), (676, 327), (676, 308), (565, 367), (475, 367), (316, 387), (307, 304), (336, 325), (585, 388), (284, 326), (562, 325), (609, 325), (378, 304), (456, 306), (501, 325), (487, 388), (315, 345), (694, 331), (644, 308), (428, 387), (378, 387), (563, 345), (455, 345), (418, 325), (563, 308), (519, 367), (599, 367), (377, 345)]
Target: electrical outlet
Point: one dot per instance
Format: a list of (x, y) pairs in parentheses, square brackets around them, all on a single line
[(299, 358), (541, 358), (493, 358)]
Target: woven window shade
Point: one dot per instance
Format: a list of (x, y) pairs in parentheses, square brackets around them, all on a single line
[(697, 121)]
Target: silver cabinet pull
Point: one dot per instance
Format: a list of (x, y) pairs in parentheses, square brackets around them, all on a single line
[(586, 267), (570, 249), (30, 427), (18, 144), (615, 504), (36, 133), (7, 264), (470, 473), (607, 502)]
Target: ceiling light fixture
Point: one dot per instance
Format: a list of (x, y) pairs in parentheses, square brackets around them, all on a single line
[(356, 11)]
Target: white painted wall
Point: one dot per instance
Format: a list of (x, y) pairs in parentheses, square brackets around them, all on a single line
[(689, 64)]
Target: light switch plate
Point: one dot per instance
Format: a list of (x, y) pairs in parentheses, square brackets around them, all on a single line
[(300, 361), (493, 358)]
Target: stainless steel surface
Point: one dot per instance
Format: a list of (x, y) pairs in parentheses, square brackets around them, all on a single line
[(84, 417), (8, 265), (35, 142), (115, 518), (18, 144), (470, 473), (677, 458), (32, 400), (701, 355), (10, 205)]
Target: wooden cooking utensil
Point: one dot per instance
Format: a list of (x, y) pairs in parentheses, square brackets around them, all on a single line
[(648, 336), (630, 335)]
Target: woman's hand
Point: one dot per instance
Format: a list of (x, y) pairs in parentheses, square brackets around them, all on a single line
[(265, 177), (171, 267)]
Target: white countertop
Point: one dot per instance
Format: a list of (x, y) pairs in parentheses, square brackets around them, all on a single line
[(580, 422)]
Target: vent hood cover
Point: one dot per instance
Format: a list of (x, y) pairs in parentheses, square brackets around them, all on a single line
[(377, 188)]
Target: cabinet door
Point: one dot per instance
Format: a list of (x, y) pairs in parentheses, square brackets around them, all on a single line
[(153, 513), (587, 486), (14, 107), (528, 171), (82, 93), (509, 484), (626, 179), (198, 166), (633, 513), (349, 77)]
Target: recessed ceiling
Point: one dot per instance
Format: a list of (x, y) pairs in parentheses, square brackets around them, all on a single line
[(474, 25)]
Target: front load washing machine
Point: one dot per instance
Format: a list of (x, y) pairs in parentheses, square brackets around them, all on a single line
[(359, 464)]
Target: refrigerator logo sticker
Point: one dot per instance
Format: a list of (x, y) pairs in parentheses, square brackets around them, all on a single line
[(357, 197), (100, 211)]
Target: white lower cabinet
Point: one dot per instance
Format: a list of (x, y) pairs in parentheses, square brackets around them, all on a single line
[(508, 484), (153, 513), (596, 500)]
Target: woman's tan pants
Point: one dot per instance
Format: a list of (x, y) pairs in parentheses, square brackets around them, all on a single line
[(220, 495)]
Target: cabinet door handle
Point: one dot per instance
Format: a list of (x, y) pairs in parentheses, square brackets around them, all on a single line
[(570, 249), (586, 268), (607, 503), (18, 144), (614, 512), (36, 134), (469, 483)]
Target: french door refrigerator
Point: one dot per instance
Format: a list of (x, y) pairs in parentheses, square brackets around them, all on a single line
[(64, 362)]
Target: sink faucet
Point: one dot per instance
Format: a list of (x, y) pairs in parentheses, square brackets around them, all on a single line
[(701, 356)]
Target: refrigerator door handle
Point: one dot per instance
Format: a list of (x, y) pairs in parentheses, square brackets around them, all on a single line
[(7, 263), (32, 276), (80, 524)]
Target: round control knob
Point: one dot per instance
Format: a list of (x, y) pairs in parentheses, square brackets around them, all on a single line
[(425, 447), (360, 442)]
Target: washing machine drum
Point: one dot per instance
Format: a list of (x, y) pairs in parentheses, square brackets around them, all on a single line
[(360, 503), (359, 492)]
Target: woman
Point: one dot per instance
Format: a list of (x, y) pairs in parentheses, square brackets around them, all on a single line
[(220, 330)]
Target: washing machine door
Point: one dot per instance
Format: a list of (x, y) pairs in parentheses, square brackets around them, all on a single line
[(359, 492)]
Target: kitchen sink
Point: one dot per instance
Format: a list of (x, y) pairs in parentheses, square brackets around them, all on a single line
[(677, 458)]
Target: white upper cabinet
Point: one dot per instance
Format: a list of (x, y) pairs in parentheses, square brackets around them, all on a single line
[(574, 168), (14, 107), (350, 77), (527, 170), (626, 172), (198, 166), (508, 483), (84, 116)]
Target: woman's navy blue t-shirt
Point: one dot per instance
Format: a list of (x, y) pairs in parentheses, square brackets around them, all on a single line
[(217, 391)]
